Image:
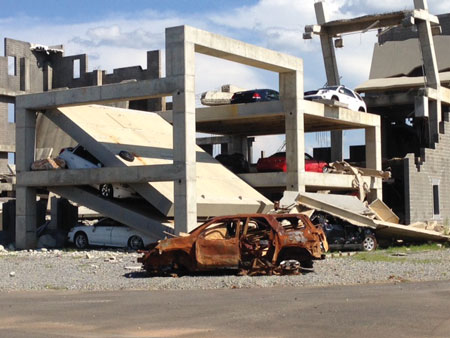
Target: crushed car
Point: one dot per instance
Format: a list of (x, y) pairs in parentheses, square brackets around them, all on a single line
[(251, 244), (342, 235)]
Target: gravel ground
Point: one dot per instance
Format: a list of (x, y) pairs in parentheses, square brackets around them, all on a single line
[(115, 270)]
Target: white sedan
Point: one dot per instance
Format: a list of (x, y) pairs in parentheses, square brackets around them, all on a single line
[(338, 93), (80, 158), (108, 232)]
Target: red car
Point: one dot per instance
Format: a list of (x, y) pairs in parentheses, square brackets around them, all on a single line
[(277, 162)]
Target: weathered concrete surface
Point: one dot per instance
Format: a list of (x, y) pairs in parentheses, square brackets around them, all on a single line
[(105, 131), (400, 58)]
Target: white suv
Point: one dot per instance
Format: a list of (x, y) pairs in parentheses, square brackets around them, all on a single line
[(80, 158), (338, 93)]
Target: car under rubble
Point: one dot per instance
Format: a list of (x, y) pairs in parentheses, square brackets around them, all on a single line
[(250, 244)]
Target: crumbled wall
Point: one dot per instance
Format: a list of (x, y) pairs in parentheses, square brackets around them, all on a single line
[(433, 169)]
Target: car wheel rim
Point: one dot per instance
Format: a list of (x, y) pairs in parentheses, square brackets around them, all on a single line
[(135, 242), (81, 241), (106, 190), (368, 244)]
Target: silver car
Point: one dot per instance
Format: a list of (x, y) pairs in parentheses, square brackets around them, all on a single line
[(108, 232)]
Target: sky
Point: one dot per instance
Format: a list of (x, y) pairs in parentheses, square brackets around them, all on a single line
[(115, 33)]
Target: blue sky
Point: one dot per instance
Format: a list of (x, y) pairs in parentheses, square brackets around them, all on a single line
[(117, 34)]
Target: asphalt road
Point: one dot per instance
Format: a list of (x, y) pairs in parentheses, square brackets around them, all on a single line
[(383, 310)]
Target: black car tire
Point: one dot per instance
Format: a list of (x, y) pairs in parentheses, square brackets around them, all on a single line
[(135, 242), (325, 169), (107, 190), (335, 98), (126, 155), (369, 243), (361, 109), (81, 241)]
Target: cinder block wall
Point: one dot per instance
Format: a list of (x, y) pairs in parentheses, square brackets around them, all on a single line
[(433, 170)]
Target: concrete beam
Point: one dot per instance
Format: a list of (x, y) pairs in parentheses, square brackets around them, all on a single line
[(9, 148), (248, 113), (67, 177), (313, 181), (135, 90), (213, 140), (234, 50)]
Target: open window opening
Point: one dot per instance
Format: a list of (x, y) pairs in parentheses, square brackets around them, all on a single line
[(12, 66), (436, 211), (76, 69), (11, 113)]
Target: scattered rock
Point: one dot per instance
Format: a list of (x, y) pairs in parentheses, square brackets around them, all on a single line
[(88, 256), (12, 274), (2, 248), (133, 268)]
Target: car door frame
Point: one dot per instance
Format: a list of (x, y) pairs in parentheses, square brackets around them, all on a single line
[(219, 253)]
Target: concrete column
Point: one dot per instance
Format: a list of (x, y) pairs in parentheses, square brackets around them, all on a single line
[(98, 77), (239, 145), (155, 72), (25, 74), (48, 77), (331, 70), (291, 90), (180, 61), (373, 158), (431, 69), (25, 196)]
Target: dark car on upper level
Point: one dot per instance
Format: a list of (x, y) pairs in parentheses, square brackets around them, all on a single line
[(255, 95)]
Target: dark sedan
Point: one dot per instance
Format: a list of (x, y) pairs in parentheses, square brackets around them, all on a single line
[(255, 95)]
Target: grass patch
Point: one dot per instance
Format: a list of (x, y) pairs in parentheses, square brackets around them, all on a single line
[(377, 256), (388, 255), (412, 248)]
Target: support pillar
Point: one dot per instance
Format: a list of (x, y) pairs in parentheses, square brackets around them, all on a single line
[(291, 90), (431, 70), (180, 61), (332, 73), (25, 196), (373, 159)]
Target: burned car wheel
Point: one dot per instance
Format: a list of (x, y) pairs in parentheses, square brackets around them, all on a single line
[(81, 240), (135, 243), (106, 190), (369, 243)]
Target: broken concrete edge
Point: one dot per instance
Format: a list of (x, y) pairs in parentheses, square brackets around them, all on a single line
[(316, 202)]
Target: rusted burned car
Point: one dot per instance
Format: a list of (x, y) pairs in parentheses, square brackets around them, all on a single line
[(251, 244)]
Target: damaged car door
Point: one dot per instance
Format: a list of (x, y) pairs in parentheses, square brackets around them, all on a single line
[(218, 245)]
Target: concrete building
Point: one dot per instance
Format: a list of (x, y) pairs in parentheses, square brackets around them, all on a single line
[(408, 89), (66, 109)]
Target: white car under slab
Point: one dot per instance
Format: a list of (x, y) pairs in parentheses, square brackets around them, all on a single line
[(110, 233)]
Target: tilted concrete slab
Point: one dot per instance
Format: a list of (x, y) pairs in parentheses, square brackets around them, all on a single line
[(105, 131), (400, 58), (350, 209), (398, 83)]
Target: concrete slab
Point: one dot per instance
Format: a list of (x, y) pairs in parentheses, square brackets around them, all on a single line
[(105, 131)]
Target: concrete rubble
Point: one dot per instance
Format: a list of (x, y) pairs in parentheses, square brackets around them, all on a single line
[(353, 211)]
